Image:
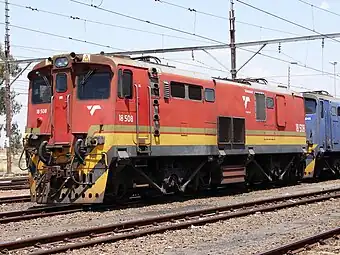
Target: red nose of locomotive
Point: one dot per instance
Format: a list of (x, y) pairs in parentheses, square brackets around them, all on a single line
[(67, 98)]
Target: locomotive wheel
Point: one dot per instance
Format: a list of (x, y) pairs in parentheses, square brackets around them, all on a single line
[(336, 166)]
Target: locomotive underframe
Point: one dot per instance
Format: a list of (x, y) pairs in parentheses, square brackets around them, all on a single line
[(145, 175)]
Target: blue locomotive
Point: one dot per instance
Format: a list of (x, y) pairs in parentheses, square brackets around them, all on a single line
[(323, 134)]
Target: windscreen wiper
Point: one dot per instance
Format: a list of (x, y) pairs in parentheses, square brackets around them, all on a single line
[(87, 76), (44, 78), (46, 81)]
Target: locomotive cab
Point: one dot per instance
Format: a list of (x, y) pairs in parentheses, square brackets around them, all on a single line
[(323, 139), (68, 96)]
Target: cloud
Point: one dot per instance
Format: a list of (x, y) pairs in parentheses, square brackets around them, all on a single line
[(324, 5)]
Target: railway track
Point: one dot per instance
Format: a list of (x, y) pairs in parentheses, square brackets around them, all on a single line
[(15, 199), (61, 242), (40, 212), (302, 244), (14, 184)]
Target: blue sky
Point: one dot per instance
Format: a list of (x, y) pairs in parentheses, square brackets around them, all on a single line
[(306, 53)]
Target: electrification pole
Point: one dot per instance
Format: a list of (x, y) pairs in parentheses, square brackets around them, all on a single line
[(8, 93), (334, 64), (291, 63), (232, 39)]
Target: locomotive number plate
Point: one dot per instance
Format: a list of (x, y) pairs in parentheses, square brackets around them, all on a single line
[(300, 128), (125, 118)]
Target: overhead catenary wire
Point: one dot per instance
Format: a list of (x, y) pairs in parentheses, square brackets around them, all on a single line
[(36, 48), (75, 17), (288, 62), (222, 17), (299, 75), (286, 20), (319, 8), (63, 37), (145, 21)]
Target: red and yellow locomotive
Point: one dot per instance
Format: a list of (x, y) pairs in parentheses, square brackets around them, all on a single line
[(102, 127)]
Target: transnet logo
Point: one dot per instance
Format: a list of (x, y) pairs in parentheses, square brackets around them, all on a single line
[(246, 100), (93, 108)]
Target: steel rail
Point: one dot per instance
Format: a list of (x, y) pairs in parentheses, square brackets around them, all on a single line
[(15, 183), (137, 228), (294, 246), (15, 216), (15, 199)]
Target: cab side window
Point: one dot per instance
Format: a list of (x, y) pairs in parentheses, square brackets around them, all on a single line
[(125, 83), (260, 102), (321, 110)]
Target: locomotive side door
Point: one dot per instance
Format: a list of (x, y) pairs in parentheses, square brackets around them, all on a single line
[(133, 105), (335, 126), (61, 126), (325, 123)]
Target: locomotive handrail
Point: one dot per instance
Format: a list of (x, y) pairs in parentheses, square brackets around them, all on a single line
[(137, 114), (52, 111), (68, 110), (150, 117)]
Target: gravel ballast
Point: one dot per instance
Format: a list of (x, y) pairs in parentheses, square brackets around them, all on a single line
[(246, 235), (43, 226)]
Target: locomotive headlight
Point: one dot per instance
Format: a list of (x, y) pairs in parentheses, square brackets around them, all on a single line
[(61, 62)]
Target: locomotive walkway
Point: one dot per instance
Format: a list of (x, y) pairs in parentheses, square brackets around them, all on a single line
[(60, 242)]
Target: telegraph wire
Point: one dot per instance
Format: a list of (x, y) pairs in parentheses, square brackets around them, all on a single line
[(73, 17), (319, 8), (222, 17), (284, 19), (146, 21)]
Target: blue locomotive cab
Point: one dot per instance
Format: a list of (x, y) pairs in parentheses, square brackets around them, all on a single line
[(311, 120), (322, 119)]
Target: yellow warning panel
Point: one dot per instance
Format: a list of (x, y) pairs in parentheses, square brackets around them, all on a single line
[(86, 57)]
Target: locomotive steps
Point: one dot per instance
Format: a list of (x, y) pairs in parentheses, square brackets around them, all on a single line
[(86, 237)]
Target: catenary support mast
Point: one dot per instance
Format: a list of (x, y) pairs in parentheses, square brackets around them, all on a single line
[(8, 92), (232, 40)]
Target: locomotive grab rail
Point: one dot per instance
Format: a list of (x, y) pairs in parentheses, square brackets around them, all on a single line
[(68, 110), (52, 112), (150, 115), (137, 115)]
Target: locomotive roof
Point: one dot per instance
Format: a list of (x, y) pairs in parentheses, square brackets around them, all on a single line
[(161, 68), (321, 95), (120, 60)]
